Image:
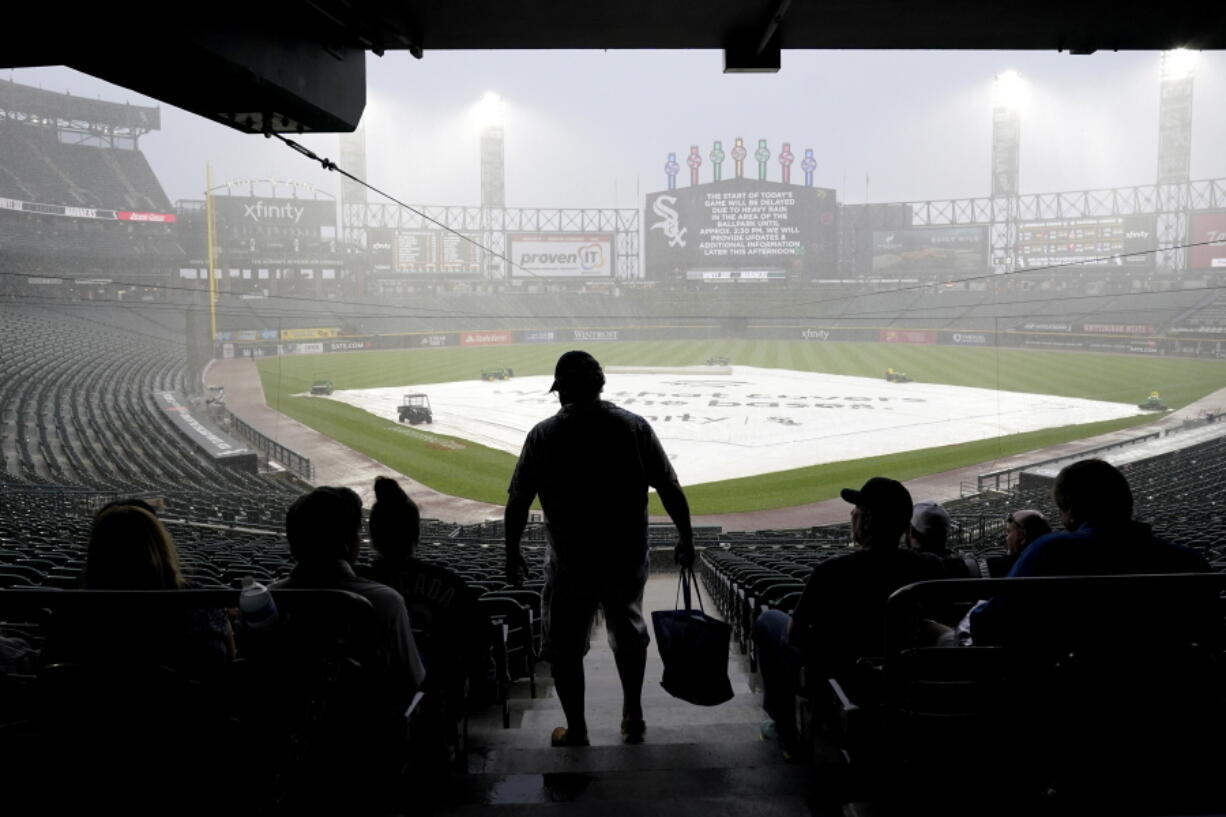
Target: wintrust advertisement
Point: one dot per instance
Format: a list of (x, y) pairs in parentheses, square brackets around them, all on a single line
[(561, 255)]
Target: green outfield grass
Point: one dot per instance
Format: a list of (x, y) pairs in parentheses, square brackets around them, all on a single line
[(482, 473)]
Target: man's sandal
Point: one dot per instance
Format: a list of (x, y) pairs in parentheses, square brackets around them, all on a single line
[(563, 737), (633, 730)]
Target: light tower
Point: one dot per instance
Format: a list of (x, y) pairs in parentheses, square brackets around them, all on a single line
[(490, 115), (1175, 116), (1174, 153), (1008, 93), (353, 195), (493, 168)]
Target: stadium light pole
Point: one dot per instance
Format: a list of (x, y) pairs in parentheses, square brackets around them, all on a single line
[(491, 113), (211, 237), (1175, 115), (1174, 153), (1008, 96)]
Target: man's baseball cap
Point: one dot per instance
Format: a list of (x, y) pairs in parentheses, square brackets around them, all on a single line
[(882, 496), (575, 367), (929, 517)]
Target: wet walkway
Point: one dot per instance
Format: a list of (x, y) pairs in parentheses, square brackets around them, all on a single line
[(706, 761)]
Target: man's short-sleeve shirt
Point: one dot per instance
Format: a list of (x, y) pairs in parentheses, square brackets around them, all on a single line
[(591, 464)]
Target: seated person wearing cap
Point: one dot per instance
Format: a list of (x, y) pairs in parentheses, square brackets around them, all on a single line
[(841, 614)]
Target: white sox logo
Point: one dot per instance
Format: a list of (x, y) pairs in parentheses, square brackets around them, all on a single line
[(669, 224)]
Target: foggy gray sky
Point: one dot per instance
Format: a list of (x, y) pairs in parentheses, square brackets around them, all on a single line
[(583, 129)]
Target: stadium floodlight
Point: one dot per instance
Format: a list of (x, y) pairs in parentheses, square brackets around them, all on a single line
[(490, 110), (1179, 63), (1008, 90)]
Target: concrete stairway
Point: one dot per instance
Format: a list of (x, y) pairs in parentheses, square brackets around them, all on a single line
[(695, 761)]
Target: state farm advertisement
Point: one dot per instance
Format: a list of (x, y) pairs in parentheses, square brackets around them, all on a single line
[(1208, 231), (908, 336), (485, 338), (561, 255)]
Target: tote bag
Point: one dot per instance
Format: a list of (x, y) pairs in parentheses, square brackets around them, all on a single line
[(694, 649)]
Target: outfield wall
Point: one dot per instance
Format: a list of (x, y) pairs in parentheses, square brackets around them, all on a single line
[(1136, 340)]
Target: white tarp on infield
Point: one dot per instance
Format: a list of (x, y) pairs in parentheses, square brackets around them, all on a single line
[(753, 421)]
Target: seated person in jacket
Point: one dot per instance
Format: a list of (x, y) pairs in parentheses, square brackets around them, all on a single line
[(323, 528), (841, 614), (1100, 538)]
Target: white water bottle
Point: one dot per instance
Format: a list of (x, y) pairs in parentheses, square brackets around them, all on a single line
[(256, 603)]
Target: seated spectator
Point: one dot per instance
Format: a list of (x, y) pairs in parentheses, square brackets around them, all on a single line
[(1021, 529), (929, 530), (323, 528), (1101, 538), (443, 608), (841, 614), (130, 549)]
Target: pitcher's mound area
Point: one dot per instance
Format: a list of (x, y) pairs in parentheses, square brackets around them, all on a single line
[(753, 421)]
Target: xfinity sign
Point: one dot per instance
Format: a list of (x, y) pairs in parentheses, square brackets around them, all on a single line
[(561, 255)]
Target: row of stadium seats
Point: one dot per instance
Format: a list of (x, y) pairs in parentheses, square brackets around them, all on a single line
[(36, 166)]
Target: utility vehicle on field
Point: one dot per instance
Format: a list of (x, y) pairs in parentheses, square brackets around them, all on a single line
[(321, 387), (415, 408), (895, 376)]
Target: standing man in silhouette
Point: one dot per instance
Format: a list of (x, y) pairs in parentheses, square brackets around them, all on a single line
[(591, 464)]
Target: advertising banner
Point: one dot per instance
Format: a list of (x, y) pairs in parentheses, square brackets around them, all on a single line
[(590, 335), (162, 218), (964, 249), (349, 345), (908, 336), (740, 224), (485, 338), (200, 431), (434, 341), (538, 336), (308, 334), (1211, 228), (970, 338), (380, 243), (1118, 328), (1096, 242), (236, 212), (1047, 326), (560, 255)]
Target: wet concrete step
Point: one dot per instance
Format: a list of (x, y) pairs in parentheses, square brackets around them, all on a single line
[(781, 788), (716, 748), (775, 806)]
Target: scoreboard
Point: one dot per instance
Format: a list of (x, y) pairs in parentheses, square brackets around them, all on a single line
[(424, 252), (1094, 241)]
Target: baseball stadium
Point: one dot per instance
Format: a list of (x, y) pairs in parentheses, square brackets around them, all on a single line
[(211, 361)]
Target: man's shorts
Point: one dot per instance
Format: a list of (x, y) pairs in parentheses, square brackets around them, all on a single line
[(569, 603)]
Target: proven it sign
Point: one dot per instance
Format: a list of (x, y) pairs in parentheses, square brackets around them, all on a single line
[(561, 255)]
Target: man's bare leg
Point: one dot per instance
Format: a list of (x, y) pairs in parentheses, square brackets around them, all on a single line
[(569, 682)]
